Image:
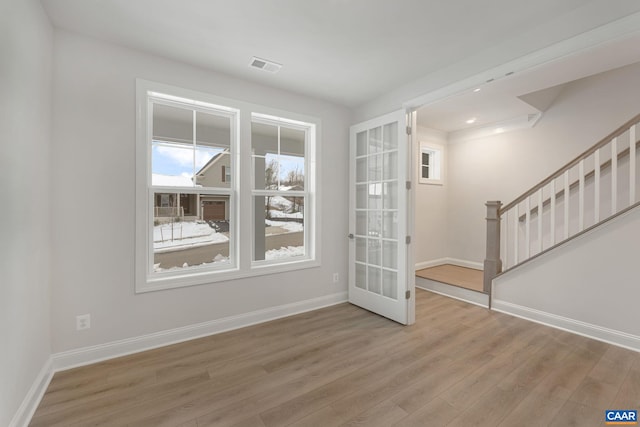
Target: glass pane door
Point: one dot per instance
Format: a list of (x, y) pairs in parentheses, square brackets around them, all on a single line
[(378, 216)]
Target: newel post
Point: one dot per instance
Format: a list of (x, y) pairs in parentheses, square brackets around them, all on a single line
[(492, 262)]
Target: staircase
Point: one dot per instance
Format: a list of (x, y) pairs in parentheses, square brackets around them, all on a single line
[(573, 239)]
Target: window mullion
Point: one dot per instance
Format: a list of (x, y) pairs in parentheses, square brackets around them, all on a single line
[(193, 164), (245, 198), (287, 193), (278, 157)]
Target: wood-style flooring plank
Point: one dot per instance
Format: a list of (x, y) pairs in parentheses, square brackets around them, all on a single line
[(561, 382), (576, 415), (381, 415), (269, 393), (491, 408), (488, 375), (436, 413), (600, 387), (629, 394), (535, 410)]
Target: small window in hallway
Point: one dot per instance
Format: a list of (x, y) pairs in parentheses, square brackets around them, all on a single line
[(430, 168)]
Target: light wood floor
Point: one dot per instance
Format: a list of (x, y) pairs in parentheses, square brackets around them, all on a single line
[(463, 277), (459, 365)]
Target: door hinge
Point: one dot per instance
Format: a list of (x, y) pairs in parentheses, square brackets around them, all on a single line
[(408, 239), (408, 185), (408, 130), (407, 295)]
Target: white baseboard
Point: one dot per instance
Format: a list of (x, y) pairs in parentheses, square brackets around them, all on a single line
[(25, 412), (432, 263), (465, 263), (610, 336), (466, 295), (88, 355), (447, 260)]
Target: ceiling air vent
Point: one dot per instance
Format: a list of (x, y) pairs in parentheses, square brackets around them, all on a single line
[(264, 64)]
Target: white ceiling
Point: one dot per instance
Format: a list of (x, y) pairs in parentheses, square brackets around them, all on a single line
[(528, 92), (345, 51)]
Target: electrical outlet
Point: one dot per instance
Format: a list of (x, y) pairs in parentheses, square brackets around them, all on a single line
[(336, 277), (83, 322)]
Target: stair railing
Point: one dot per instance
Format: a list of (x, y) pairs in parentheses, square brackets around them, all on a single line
[(591, 189)]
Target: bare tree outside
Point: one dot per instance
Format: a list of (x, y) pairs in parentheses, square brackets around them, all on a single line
[(295, 177), (272, 172)]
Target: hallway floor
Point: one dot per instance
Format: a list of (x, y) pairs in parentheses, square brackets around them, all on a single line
[(468, 278)]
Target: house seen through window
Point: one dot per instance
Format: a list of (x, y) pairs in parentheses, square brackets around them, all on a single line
[(189, 148)]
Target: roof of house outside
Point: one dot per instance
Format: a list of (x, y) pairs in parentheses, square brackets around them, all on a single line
[(212, 161)]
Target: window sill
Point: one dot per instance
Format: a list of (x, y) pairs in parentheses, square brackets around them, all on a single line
[(431, 181), (192, 278)]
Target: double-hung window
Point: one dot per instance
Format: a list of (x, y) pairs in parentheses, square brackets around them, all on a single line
[(430, 163), (199, 168)]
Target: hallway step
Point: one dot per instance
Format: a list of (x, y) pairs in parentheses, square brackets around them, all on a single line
[(453, 291), (469, 278)]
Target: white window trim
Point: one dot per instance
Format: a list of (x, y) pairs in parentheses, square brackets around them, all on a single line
[(240, 211), (438, 162)]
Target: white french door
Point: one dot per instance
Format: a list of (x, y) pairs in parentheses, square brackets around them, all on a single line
[(378, 207)]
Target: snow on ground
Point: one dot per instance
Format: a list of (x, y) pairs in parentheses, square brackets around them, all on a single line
[(288, 252), (281, 203), (281, 208), (289, 226), (278, 214), (185, 233), (282, 253), (218, 259)]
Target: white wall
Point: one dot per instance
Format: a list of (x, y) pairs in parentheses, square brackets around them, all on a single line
[(430, 234), (506, 165), (93, 199), (583, 286), (25, 110)]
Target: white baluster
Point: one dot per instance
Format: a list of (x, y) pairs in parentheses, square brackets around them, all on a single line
[(581, 196), (540, 220), (614, 176), (527, 229), (566, 204), (632, 165), (596, 183), (504, 249), (516, 232), (552, 211)]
